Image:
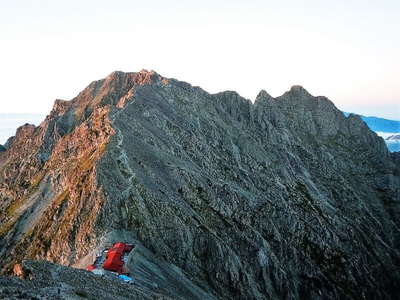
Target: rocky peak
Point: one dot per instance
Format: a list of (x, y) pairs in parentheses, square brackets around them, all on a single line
[(59, 107), (263, 96), (25, 129), (298, 97), (297, 90), (138, 78), (24, 133)]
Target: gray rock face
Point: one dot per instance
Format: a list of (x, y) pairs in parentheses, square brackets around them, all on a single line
[(281, 199), (44, 280), (152, 278)]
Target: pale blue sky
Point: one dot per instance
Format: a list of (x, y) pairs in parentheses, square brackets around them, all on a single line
[(345, 50)]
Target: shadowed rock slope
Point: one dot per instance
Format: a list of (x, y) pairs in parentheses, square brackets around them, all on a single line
[(285, 198), (44, 280)]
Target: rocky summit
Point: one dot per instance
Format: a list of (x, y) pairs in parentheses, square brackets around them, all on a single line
[(283, 198)]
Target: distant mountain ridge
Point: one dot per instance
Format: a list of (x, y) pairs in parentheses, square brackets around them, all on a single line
[(394, 137)]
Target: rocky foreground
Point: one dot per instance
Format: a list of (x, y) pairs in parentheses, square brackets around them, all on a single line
[(44, 280), (152, 279), (285, 198)]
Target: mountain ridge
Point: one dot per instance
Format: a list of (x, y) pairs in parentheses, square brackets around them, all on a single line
[(254, 200)]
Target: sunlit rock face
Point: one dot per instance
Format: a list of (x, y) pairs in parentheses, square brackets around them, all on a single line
[(283, 198)]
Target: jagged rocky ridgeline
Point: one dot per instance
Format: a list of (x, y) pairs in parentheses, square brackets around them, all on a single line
[(285, 198)]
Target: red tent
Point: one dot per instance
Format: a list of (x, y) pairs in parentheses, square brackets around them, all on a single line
[(114, 257)]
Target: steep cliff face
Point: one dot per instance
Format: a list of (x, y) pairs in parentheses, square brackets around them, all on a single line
[(283, 198)]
